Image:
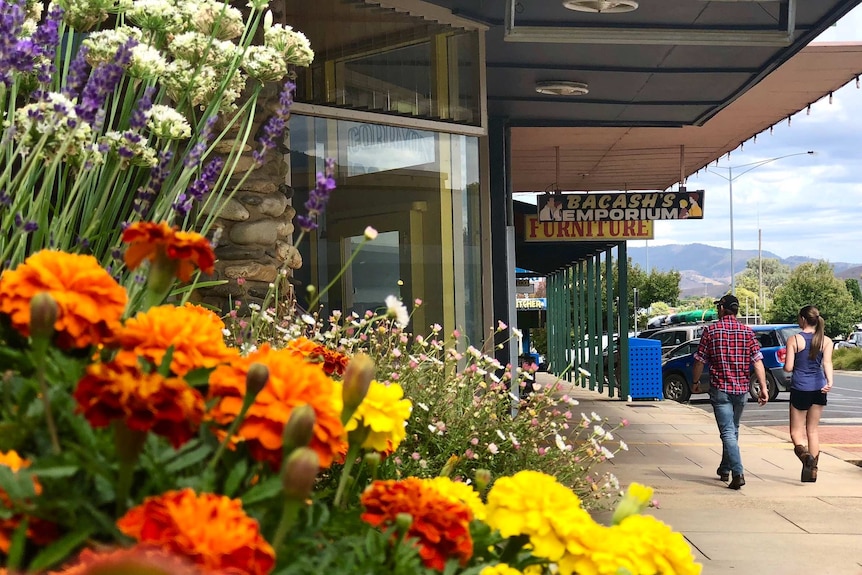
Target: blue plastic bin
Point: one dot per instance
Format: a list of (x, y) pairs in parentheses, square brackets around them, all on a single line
[(645, 368)]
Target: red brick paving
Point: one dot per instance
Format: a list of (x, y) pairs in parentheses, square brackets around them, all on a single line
[(844, 437)]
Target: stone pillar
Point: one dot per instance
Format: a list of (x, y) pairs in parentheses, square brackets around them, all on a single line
[(256, 224)]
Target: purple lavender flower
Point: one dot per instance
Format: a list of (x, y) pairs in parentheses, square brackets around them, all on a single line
[(199, 188), (158, 173), (5, 199), (139, 114), (102, 82), (193, 156), (318, 197), (273, 130), (26, 55), (79, 71)]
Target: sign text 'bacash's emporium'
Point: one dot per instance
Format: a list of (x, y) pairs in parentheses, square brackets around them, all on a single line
[(536, 231), (620, 207)]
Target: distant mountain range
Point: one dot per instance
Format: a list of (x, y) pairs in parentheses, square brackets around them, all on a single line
[(705, 269)]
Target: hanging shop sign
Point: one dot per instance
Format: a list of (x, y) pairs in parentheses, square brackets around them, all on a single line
[(535, 303), (536, 231), (621, 207)]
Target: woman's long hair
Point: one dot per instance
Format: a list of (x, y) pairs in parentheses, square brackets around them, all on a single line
[(811, 316)]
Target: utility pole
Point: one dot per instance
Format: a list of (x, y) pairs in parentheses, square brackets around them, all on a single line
[(760, 269)]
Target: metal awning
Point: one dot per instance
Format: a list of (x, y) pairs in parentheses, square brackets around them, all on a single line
[(637, 158)]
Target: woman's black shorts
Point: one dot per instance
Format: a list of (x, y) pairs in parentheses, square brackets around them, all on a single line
[(803, 400)]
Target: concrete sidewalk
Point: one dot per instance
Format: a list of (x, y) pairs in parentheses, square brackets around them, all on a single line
[(774, 525)]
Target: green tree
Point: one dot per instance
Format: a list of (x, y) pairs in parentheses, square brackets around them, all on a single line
[(853, 288), (816, 284), (775, 274), (652, 287)]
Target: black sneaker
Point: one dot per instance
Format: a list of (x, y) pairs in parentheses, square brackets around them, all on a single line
[(737, 482)]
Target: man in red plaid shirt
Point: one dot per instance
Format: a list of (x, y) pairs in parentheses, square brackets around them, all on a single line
[(731, 351)]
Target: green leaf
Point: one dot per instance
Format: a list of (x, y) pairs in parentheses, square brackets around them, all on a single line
[(198, 377), (55, 472), (16, 547), (197, 285), (17, 485), (235, 477), (263, 491), (60, 549), (165, 367), (188, 459)]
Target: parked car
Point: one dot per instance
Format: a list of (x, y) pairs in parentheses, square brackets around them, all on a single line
[(773, 344), (853, 340), (670, 337), (677, 373)]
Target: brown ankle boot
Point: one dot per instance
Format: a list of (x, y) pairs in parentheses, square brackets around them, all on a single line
[(801, 452), (809, 468)]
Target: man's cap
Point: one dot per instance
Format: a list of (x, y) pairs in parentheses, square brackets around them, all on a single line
[(727, 301)]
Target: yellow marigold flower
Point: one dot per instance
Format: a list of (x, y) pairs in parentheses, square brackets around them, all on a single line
[(160, 242), (384, 412), (194, 333), (292, 382), (653, 547), (534, 504), (461, 492), (637, 499), (89, 301), (499, 569), (211, 530)]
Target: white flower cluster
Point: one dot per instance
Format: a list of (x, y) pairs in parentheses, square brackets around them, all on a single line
[(52, 126), (216, 19), (83, 15), (292, 44), (264, 63), (102, 45), (157, 16), (136, 151), (167, 123)]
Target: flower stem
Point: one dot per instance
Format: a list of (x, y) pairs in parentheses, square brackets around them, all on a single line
[(288, 519), (337, 277), (349, 460), (231, 430), (49, 417), (128, 444)]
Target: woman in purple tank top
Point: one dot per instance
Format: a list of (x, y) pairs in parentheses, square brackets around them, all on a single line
[(809, 359)]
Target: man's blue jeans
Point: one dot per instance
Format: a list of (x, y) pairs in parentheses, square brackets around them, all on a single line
[(728, 411)]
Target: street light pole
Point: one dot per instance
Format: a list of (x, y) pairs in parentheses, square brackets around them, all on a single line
[(730, 177)]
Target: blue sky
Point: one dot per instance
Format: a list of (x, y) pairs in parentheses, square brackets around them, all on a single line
[(805, 205)]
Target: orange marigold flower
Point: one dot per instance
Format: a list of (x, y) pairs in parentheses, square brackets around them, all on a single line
[(194, 333), (39, 531), (333, 361), (211, 530), (89, 301), (187, 250), (292, 382), (440, 523), (139, 559), (167, 406)]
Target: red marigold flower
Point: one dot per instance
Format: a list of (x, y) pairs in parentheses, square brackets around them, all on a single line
[(139, 559), (211, 530), (39, 531), (89, 301), (440, 524), (333, 361), (167, 406), (194, 333), (292, 382), (187, 250)]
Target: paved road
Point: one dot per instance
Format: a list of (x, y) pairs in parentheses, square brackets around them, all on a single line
[(840, 426), (844, 407)]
